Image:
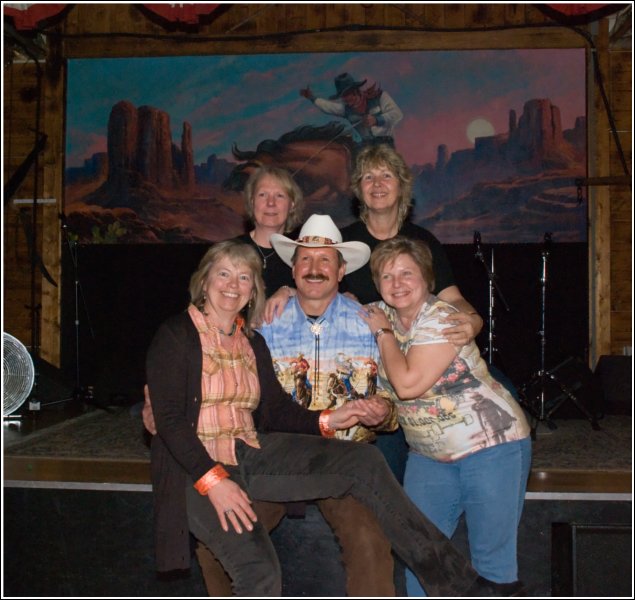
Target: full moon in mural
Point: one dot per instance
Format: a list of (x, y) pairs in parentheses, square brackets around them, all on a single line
[(479, 128)]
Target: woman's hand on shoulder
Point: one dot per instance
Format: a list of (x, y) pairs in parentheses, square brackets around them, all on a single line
[(276, 302), (374, 317), (464, 327)]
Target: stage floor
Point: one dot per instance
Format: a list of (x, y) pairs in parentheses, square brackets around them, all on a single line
[(92, 466), (91, 445)]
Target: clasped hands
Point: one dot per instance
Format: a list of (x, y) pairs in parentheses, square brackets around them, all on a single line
[(369, 411), (231, 502)]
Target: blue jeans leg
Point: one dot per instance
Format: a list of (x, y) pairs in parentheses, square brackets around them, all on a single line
[(489, 486), (494, 495)]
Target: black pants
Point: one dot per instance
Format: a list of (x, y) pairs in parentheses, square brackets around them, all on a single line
[(292, 467)]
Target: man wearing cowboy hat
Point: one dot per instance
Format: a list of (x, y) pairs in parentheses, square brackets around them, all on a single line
[(372, 113), (325, 327), (321, 330), (320, 323)]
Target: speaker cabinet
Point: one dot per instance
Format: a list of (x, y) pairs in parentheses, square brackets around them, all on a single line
[(614, 377), (591, 560)]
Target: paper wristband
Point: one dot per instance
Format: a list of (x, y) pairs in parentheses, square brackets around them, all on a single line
[(210, 479), (325, 430)]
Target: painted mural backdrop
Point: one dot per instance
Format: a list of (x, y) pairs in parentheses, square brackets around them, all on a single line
[(158, 149)]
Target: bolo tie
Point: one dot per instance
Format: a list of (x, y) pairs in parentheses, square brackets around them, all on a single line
[(316, 330)]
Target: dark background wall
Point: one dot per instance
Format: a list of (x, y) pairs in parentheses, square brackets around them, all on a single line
[(125, 291)]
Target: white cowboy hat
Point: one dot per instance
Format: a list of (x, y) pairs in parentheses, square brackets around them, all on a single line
[(319, 231)]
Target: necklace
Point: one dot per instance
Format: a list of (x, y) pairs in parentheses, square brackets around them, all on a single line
[(211, 325), (264, 256), (232, 331)]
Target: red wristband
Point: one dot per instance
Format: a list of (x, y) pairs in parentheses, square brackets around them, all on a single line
[(210, 479), (323, 421)]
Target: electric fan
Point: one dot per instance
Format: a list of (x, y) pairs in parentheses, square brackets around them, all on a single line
[(17, 374)]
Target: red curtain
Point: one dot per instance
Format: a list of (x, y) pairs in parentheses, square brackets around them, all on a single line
[(28, 16), (576, 9), (579, 14), (182, 13)]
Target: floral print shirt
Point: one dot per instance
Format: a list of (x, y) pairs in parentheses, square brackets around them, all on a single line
[(466, 410)]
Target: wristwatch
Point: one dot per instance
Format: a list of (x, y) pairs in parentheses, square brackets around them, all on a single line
[(381, 332)]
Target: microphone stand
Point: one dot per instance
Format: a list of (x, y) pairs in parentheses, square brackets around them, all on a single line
[(493, 288), (542, 376), (81, 395)]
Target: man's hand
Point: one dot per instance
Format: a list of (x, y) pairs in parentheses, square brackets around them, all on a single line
[(377, 409), (368, 411), (146, 413)]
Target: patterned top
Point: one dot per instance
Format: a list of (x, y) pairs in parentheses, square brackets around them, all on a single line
[(466, 410), (230, 391), (327, 361)]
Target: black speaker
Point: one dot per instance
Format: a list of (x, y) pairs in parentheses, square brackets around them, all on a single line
[(591, 560), (614, 376), (570, 388)]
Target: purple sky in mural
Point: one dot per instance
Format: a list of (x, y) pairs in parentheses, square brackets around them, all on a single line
[(245, 99)]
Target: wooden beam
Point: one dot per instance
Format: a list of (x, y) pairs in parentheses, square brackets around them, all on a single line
[(53, 84), (599, 205), (368, 39), (593, 181), (579, 481)]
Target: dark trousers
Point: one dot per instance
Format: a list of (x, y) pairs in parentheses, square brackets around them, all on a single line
[(392, 444), (366, 553), (292, 467)]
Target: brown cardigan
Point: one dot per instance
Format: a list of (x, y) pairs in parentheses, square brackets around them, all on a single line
[(173, 370)]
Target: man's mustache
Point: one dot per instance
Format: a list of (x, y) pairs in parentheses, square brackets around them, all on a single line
[(314, 276)]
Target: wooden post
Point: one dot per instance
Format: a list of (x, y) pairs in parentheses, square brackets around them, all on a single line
[(599, 207), (52, 176)]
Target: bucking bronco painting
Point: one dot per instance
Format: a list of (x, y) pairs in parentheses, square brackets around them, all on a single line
[(158, 149)]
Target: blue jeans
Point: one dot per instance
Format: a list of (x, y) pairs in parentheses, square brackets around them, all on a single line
[(294, 467), (489, 486)]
